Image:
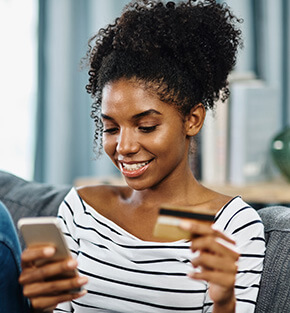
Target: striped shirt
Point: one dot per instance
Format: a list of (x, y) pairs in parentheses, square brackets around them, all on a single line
[(127, 274)]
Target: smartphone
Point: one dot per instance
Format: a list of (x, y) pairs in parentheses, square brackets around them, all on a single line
[(170, 217), (40, 231)]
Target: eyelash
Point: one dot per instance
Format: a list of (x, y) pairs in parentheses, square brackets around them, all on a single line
[(147, 129), (144, 129), (110, 130)]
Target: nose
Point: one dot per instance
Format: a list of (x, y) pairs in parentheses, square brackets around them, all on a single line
[(127, 142)]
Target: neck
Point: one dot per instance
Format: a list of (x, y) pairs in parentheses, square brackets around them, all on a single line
[(181, 190)]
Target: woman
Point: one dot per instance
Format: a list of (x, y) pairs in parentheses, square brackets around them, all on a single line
[(153, 74)]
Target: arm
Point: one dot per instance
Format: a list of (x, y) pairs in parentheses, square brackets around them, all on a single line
[(217, 262), (40, 284)]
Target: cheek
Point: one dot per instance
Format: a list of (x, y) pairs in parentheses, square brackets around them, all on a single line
[(108, 145), (156, 143), (168, 140)]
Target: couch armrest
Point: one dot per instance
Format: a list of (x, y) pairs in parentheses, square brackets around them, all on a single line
[(24, 198), (274, 287)]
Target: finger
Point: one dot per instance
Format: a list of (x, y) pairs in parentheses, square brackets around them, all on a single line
[(228, 245), (197, 228), (54, 287), (36, 253), (212, 262), (215, 245), (219, 278), (202, 229), (36, 274), (43, 303)]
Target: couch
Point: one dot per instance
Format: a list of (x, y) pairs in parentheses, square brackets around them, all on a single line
[(24, 198)]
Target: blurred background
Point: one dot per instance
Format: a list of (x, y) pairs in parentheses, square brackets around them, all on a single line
[(46, 133)]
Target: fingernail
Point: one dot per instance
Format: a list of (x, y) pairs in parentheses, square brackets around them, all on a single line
[(82, 280), (49, 251), (190, 274), (185, 225), (72, 263)]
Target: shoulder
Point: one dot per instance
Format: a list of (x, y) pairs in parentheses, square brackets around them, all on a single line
[(103, 196), (238, 218), (237, 206), (212, 200)]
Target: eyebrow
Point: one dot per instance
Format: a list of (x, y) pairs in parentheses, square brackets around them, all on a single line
[(136, 116)]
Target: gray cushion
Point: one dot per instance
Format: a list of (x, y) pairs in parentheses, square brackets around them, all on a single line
[(274, 295), (24, 198)]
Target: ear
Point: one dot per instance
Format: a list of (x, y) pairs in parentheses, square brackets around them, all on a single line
[(194, 120)]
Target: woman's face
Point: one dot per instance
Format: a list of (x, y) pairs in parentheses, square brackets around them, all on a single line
[(143, 136)]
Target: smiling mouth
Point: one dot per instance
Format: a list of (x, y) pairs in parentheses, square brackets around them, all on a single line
[(134, 166)]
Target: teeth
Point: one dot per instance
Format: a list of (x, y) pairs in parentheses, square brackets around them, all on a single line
[(134, 167)]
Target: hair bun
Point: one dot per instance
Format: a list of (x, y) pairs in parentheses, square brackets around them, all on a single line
[(170, 5)]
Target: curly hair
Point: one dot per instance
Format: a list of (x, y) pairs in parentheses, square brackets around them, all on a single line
[(183, 52)]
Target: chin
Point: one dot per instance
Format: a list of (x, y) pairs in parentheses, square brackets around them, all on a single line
[(139, 185), (136, 186)]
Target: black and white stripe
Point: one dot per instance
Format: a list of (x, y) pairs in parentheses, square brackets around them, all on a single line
[(129, 275)]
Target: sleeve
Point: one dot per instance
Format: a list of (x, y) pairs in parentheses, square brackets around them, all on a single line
[(246, 228), (251, 245), (67, 220)]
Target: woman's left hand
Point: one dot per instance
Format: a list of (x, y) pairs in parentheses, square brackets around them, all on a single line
[(217, 261)]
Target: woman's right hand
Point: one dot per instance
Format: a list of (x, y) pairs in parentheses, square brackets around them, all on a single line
[(39, 285)]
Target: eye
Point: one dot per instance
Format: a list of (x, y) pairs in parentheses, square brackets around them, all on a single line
[(111, 131), (147, 129)]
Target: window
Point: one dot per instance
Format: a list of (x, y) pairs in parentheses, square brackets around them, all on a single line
[(18, 71)]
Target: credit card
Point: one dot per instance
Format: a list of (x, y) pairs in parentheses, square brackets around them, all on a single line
[(170, 217)]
